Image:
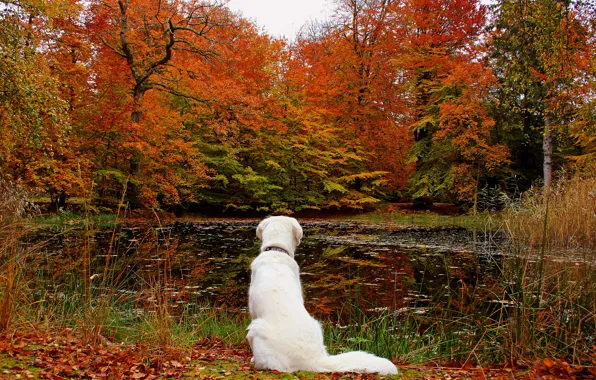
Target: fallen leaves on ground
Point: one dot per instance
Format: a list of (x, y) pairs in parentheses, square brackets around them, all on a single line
[(559, 369), (63, 355)]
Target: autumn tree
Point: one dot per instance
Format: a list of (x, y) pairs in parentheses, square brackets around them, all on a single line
[(36, 127), (156, 42), (349, 79), (541, 56), (466, 131), (146, 34), (318, 164), (449, 86)]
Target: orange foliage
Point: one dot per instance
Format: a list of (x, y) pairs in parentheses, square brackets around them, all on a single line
[(184, 102), (346, 74)]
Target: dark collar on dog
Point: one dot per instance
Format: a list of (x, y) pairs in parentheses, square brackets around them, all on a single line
[(278, 249)]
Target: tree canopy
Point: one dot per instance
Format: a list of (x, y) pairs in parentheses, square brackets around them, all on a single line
[(185, 103)]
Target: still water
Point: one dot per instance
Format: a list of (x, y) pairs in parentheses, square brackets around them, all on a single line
[(207, 262)]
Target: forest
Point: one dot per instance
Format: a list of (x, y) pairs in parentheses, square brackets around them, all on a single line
[(183, 104)]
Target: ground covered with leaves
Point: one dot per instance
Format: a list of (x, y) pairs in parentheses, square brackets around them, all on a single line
[(64, 355)]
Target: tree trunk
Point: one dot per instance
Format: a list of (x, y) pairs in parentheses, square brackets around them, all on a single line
[(137, 106), (133, 194), (547, 149), (61, 200)]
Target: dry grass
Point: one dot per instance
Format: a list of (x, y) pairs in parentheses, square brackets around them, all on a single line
[(14, 202), (14, 207), (548, 313), (570, 211), (550, 274)]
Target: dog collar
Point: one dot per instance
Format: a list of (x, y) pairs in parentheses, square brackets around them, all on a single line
[(278, 249)]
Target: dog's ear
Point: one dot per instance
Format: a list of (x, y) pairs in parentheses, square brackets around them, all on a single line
[(297, 231), (261, 227)]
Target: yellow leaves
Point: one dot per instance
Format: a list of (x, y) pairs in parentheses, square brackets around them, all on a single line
[(360, 263), (549, 363), (52, 8), (363, 176), (332, 252), (274, 165), (331, 186)]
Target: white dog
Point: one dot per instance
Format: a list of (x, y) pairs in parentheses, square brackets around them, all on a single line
[(282, 335)]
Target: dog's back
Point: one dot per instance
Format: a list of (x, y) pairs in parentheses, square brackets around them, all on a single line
[(275, 288)]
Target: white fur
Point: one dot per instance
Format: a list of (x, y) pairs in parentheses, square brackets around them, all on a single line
[(282, 335)]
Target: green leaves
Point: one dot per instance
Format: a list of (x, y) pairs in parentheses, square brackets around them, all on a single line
[(331, 186), (541, 51)]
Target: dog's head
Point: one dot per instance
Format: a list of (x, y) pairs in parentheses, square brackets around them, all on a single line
[(280, 231)]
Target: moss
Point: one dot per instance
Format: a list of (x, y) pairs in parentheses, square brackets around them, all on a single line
[(17, 367)]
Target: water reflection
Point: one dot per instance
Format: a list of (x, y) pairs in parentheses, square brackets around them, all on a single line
[(376, 266)]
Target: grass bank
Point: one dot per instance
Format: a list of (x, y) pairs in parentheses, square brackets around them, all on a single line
[(426, 218), (69, 219)]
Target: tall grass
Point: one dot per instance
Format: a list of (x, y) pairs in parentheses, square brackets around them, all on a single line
[(408, 337), (519, 325), (570, 221), (14, 205), (183, 330), (552, 313), (88, 292), (102, 308), (551, 271)]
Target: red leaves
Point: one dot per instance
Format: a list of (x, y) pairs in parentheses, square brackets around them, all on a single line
[(558, 369), (65, 356)]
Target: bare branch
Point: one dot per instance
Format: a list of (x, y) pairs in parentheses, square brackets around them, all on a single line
[(114, 48)]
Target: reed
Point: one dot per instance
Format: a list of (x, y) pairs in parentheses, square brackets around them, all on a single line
[(550, 271), (520, 325), (14, 208), (571, 219)]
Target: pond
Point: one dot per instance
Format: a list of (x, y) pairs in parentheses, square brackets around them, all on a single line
[(207, 262)]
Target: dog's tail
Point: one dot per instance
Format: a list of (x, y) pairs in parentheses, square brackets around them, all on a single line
[(356, 361)]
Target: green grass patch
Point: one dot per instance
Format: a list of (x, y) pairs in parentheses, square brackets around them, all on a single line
[(430, 219), (71, 219), (182, 330), (17, 367)]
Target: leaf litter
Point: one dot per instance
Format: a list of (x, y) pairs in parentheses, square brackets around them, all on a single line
[(64, 355)]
